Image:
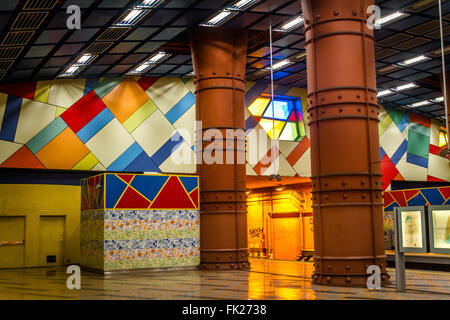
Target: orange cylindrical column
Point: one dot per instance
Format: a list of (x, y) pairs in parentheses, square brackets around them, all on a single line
[(345, 163), (219, 58)]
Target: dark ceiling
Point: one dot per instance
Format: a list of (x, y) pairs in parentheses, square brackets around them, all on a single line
[(36, 44)]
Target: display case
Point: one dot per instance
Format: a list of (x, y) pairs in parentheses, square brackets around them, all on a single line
[(412, 230), (439, 228)]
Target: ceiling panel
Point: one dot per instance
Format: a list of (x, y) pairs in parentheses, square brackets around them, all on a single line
[(47, 50)]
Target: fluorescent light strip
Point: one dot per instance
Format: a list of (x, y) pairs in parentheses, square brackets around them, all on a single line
[(149, 4), (385, 93), (391, 17), (220, 17), (292, 24), (152, 61), (414, 60), (72, 70), (280, 64), (406, 86), (228, 12), (420, 103), (242, 4), (157, 57), (84, 58), (132, 17), (438, 99), (141, 68)]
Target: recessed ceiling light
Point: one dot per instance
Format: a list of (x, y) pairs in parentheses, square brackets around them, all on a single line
[(420, 103), (152, 61), (149, 3), (414, 60), (71, 70), (242, 4), (391, 17), (297, 22), (85, 59), (132, 17), (406, 86), (280, 65), (141, 68), (384, 93), (218, 18), (157, 57)]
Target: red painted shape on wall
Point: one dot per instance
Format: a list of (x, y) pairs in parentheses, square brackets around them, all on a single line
[(267, 160), (126, 177), (84, 202), (147, 82), (132, 200), (83, 111), (388, 170), (299, 150), (431, 178), (194, 197), (435, 150), (409, 194), (387, 199), (172, 196), (413, 117), (445, 192), (399, 198), (23, 158), (24, 90)]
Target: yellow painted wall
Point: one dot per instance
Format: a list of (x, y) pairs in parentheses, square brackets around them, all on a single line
[(34, 201), (281, 238)]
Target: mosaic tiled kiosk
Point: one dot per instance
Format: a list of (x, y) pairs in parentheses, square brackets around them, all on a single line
[(132, 221)]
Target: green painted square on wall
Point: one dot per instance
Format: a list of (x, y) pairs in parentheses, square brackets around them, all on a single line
[(419, 129), (418, 144)]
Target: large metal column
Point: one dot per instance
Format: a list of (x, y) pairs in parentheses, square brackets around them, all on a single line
[(345, 159), (219, 59)]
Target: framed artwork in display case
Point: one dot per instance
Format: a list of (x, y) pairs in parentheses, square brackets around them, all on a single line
[(412, 230), (439, 228)]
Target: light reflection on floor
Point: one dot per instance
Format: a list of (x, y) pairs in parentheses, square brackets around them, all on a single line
[(267, 279)]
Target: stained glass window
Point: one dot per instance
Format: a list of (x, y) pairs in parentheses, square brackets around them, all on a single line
[(443, 138), (281, 117)]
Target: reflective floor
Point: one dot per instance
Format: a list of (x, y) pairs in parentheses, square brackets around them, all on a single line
[(267, 279)]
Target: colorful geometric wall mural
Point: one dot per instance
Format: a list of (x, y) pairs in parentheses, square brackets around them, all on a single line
[(131, 221), (411, 148), (114, 124), (436, 196), (134, 124)]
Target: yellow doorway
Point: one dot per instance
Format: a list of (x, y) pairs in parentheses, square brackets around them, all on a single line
[(51, 241), (12, 239)]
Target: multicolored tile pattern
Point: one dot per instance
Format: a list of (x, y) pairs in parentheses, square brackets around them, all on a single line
[(135, 125), (131, 221), (132, 239)]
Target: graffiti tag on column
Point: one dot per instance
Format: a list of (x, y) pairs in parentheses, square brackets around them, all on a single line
[(255, 232)]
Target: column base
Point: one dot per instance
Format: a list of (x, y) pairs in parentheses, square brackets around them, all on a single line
[(228, 265)]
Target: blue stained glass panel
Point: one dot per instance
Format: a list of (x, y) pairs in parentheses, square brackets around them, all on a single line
[(281, 110)]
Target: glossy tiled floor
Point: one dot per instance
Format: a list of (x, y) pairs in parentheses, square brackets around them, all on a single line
[(266, 280)]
